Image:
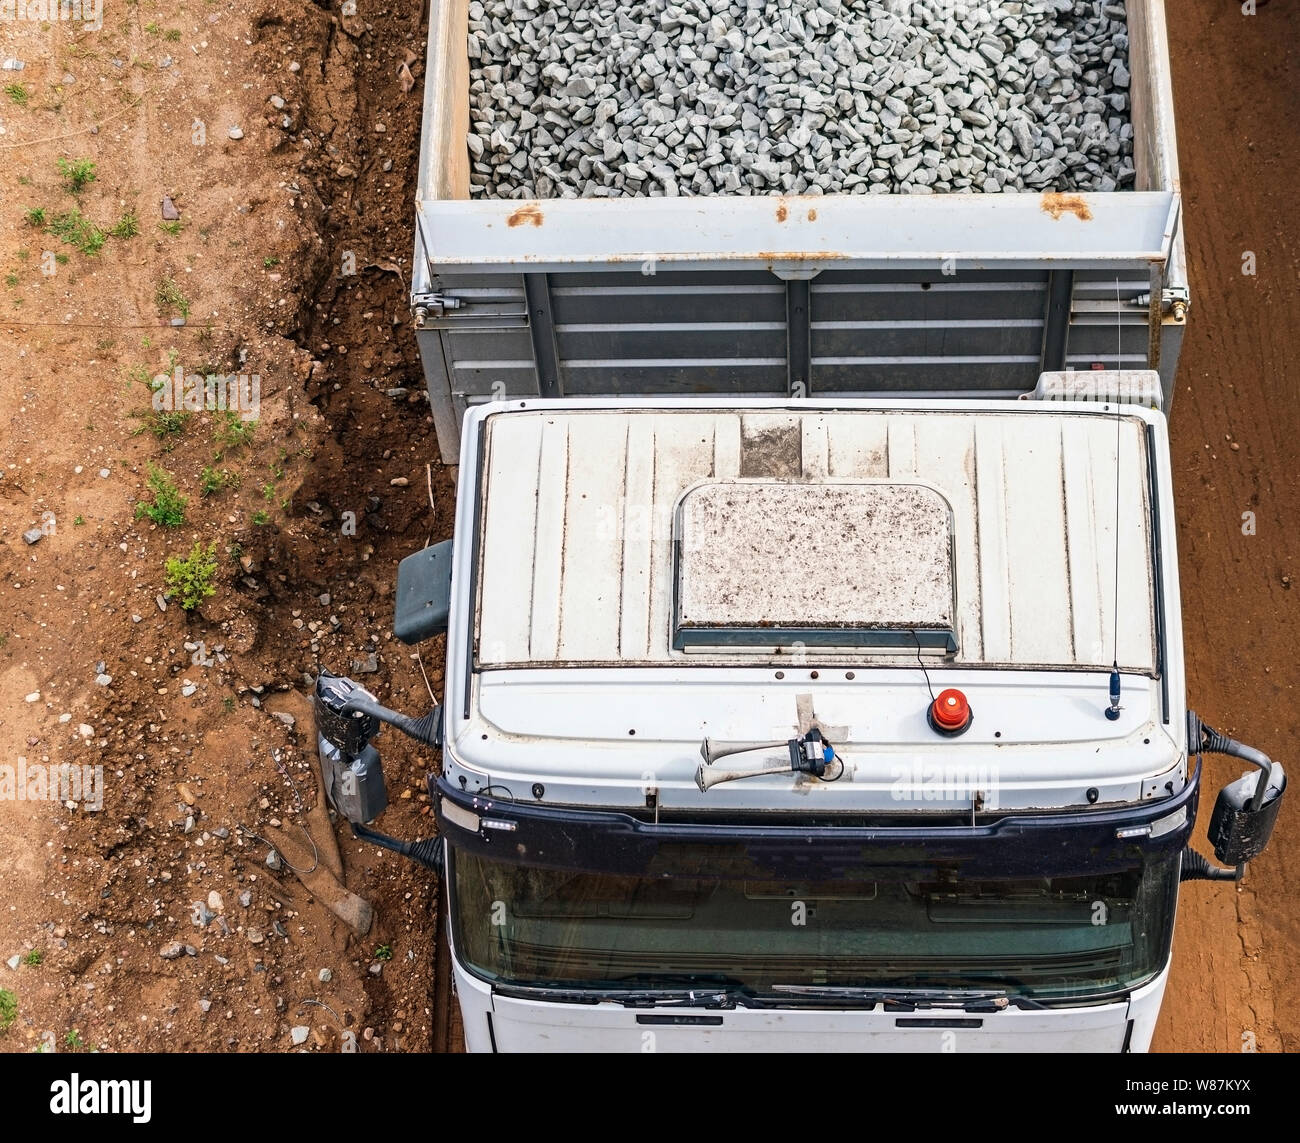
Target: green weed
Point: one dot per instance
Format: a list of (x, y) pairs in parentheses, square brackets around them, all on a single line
[(77, 174), (191, 578), (128, 226), (168, 507), (169, 297), (77, 230)]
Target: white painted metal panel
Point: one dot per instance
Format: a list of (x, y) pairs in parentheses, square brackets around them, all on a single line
[(800, 233), (549, 502), (508, 627), (577, 563), (524, 1025), (533, 1026), (637, 495), (1037, 543)]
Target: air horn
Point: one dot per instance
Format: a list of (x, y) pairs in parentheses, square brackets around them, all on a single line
[(711, 751), (808, 755)]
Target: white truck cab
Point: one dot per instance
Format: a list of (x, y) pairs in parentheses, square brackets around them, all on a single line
[(810, 725)]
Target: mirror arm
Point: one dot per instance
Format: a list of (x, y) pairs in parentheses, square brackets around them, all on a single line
[(428, 851), (427, 729), (1210, 741), (1196, 867)]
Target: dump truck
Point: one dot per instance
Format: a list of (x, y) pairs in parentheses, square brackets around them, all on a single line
[(804, 725), (814, 668), (831, 295)]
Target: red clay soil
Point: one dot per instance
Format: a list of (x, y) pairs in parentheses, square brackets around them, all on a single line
[(1236, 443)]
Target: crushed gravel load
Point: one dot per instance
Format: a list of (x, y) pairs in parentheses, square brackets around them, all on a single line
[(607, 99)]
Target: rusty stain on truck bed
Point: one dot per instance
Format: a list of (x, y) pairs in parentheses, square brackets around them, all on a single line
[(770, 257), (1056, 204), (782, 213), (531, 213)]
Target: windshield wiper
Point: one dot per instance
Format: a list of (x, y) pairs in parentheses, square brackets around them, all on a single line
[(908, 999), (685, 996), (712, 990), (724, 993)]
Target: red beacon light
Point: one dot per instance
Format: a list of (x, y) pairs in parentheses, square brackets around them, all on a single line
[(950, 714)]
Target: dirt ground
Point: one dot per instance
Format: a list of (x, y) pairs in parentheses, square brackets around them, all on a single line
[(193, 729), (1237, 450), (309, 521)]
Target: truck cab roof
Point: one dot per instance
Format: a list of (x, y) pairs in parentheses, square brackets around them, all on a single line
[(647, 573)]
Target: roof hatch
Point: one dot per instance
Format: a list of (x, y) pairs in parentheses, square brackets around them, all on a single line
[(835, 564)]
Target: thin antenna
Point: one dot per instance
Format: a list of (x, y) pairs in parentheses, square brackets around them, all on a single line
[(1112, 712), (1119, 360)]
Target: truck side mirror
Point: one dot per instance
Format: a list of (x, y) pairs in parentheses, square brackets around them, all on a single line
[(350, 766), (347, 718), (423, 594), (1239, 827)]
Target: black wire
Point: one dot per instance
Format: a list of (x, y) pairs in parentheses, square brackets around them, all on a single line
[(921, 663), (841, 771)]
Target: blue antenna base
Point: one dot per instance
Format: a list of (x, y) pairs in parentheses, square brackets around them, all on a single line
[(1112, 714)]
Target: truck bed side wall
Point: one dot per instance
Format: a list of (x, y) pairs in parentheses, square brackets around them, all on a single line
[(529, 299)]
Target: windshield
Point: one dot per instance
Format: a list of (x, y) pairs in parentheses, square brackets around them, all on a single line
[(1049, 938)]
